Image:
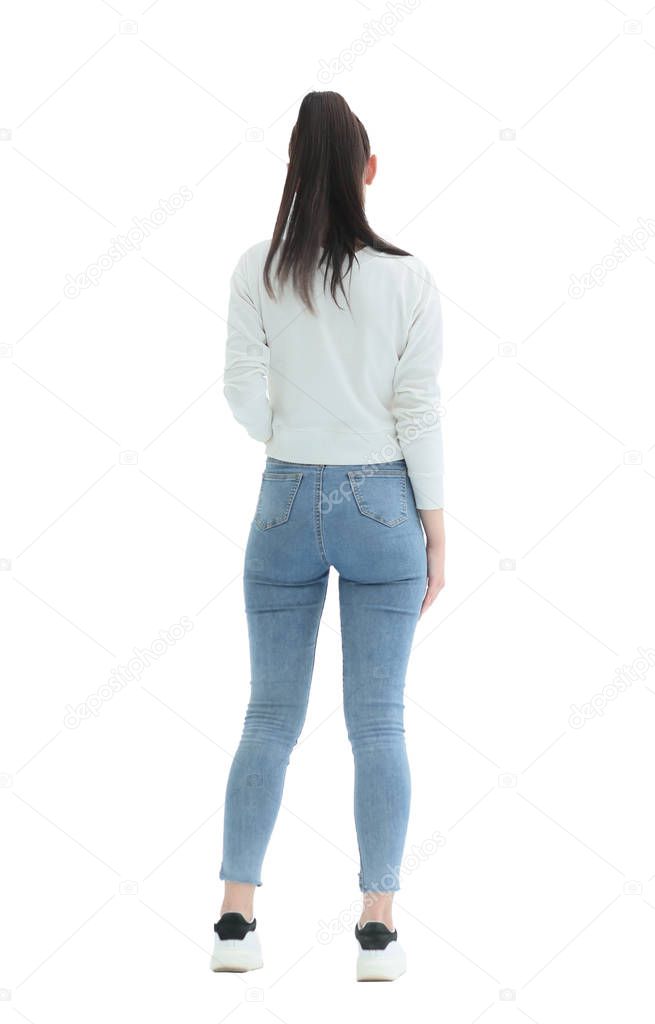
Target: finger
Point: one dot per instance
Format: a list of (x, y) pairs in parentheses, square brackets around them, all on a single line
[(435, 586)]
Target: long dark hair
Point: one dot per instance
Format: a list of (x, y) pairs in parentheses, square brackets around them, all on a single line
[(323, 199)]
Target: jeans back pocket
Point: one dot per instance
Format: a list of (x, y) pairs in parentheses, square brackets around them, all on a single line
[(381, 495), (276, 496)]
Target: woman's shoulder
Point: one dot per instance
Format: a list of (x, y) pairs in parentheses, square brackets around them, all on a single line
[(254, 255), (411, 271)]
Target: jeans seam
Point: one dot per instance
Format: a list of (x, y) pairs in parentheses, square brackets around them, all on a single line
[(317, 513)]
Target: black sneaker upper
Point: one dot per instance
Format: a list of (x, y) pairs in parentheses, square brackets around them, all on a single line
[(375, 935), (233, 925)]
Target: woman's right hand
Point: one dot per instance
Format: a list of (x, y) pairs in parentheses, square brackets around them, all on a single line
[(435, 548)]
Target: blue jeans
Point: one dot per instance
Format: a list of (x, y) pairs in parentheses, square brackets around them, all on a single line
[(361, 519)]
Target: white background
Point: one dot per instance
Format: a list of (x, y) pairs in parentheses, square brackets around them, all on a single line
[(515, 146)]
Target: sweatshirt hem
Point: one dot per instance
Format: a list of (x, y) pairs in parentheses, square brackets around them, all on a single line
[(322, 447)]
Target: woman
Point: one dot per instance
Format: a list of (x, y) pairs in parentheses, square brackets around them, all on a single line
[(352, 479)]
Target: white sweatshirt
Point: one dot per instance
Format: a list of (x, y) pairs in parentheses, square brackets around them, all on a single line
[(343, 387)]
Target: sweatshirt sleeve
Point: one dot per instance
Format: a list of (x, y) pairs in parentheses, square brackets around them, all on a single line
[(247, 358), (416, 397)]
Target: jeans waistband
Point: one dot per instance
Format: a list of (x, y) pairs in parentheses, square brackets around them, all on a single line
[(394, 464)]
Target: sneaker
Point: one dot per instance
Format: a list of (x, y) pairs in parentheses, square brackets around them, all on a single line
[(381, 957), (236, 944)]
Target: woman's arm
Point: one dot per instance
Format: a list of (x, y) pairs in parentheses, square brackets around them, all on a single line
[(416, 404), (247, 358), (417, 411), (433, 524)]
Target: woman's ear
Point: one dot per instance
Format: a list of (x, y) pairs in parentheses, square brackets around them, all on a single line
[(371, 168)]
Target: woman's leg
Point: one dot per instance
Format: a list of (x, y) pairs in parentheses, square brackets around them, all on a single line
[(285, 582), (283, 623), (238, 896), (377, 906), (378, 622)]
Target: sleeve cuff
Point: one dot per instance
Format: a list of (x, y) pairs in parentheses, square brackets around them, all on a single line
[(428, 490)]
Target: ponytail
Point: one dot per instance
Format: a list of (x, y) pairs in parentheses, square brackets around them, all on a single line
[(321, 219)]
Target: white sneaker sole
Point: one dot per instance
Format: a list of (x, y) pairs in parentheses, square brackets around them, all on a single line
[(237, 955), (381, 964)]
